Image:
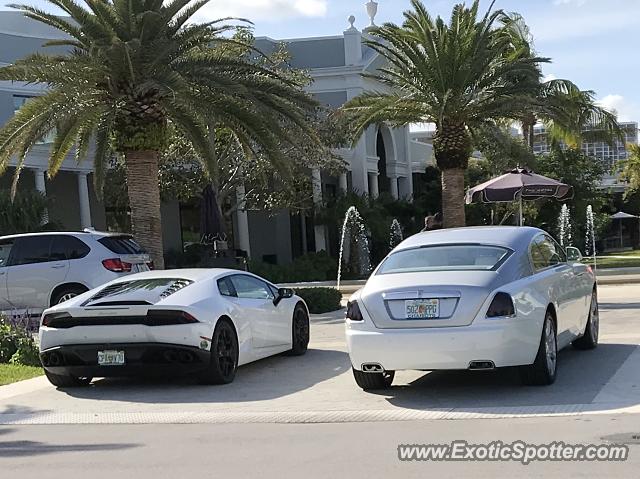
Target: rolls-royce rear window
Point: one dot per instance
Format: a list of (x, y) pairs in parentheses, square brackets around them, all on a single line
[(445, 258)]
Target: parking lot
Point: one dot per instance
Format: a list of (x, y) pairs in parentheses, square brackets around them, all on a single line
[(319, 387)]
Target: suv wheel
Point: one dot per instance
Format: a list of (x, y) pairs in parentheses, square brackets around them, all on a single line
[(66, 293)]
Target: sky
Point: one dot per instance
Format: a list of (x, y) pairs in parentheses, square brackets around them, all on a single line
[(590, 42)]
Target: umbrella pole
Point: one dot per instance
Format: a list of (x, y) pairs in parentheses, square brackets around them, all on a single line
[(520, 214), (620, 222)]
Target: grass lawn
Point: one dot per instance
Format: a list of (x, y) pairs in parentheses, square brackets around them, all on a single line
[(624, 259), (11, 373)]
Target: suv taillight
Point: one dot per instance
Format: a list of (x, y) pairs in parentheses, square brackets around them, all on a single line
[(353, 311), (501, 306), (117, 265)]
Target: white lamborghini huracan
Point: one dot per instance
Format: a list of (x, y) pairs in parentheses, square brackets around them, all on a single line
[(201, 321)]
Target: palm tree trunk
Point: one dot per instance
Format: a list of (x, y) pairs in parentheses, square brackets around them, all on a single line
[(528, 125), (452, 147), (453, 198), (144, 200)]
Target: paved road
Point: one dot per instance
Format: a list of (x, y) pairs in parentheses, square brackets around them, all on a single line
[(597, 394), (299, 450)]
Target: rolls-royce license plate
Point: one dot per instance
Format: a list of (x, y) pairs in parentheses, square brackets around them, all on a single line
[(422, 308)]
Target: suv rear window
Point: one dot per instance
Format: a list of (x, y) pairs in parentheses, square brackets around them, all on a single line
[(121, 245)]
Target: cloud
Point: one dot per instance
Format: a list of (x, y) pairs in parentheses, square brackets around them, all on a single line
[(263, 10), (626, 110), (549, 77)]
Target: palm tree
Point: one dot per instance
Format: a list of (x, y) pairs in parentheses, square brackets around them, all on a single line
[(569, 114), (460, 76), (572, 116), (132, 71), (630, 168)]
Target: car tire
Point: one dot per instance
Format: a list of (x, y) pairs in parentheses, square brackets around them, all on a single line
[(543, 370), (373, 381), (299, 332), (589, 340), (66, 294), (60, 381), (224, 355)]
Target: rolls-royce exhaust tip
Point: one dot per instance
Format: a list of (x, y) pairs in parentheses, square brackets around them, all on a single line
[(372, 368), (481, 365)]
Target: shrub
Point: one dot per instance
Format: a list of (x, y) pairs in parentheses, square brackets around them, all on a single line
[(23, 214), (8, 346), (309, 267), (17, 345), (321, 300), (27, 352)]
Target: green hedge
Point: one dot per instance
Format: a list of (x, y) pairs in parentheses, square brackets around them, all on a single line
[(309, 267), (17, 345), (321, 300)]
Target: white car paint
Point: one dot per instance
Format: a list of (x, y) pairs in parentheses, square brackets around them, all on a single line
[(468, 335), (263, 328)]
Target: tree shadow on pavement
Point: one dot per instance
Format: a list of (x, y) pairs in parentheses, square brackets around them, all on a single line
[(262, 380), (581, 376), (37, 448)]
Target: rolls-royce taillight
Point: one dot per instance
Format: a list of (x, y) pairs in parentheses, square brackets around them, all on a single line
[(501, 306), (353, 311)]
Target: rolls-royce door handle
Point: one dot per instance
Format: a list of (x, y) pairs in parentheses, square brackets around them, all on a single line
[(57, 266)]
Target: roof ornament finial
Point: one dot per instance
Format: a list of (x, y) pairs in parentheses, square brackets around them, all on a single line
[(372, 10), (351, 20)]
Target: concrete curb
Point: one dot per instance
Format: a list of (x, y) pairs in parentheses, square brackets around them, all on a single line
[(312, 417)]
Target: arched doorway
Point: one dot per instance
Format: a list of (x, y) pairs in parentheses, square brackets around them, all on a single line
[(386, 153)]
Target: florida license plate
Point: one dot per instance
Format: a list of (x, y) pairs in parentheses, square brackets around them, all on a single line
[(110, 358), (422, 308)]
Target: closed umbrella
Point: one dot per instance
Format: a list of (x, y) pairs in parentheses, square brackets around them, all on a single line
[(517, 185), (212, 225)]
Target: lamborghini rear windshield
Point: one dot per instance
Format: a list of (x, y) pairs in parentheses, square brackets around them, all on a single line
[(472, 257)]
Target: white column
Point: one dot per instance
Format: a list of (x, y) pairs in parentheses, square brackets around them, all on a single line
[(83, 196), (319, 230), (393, 182), (242, 221), (409, 158), (41, 186), (342, 182), (373, 185)]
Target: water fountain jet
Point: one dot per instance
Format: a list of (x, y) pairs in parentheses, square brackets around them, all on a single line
[(395, 235), (359, 253)]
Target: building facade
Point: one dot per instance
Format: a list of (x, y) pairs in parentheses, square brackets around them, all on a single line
[(383, 160), (607, 155), (75, 203)]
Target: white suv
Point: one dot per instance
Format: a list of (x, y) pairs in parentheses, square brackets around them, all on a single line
[(39, 270)]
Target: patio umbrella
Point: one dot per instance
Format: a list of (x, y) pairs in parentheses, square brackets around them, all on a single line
[(517, 185), (620, 216)]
